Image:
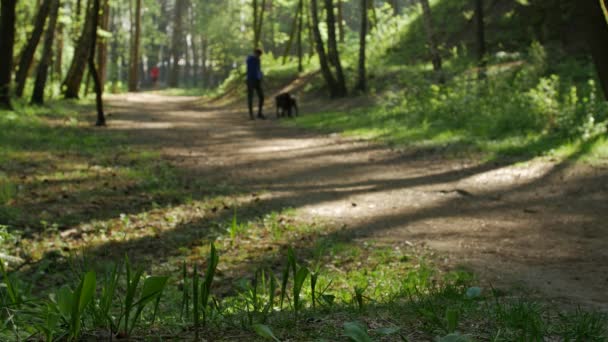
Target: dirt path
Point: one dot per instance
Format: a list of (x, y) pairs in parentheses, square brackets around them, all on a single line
[(540, 223)]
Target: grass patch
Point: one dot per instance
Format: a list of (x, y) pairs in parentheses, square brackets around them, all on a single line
[(522, 111)]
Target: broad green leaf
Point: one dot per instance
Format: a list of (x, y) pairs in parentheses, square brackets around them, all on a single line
[(300, 278), (452, 316), (152, 287), (356, 332), (87, 290), (64, 300), (265, 332)]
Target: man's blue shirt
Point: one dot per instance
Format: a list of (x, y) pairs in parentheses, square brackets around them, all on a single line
[(254, 68)]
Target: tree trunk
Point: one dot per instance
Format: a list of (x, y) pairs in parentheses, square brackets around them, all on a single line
[(259, 22), (430, 34), (300, 28), (592, 21), (135, 43), (7, 42), (194, 47), (47, 54), (73, 80), (362, 81), (204, 69), (256, 39), (29, 50), (325, 70), (395, 6), (341, 29), (332, 49), (292, 34), (177, 42), (101, 119), (59, 38), (481, 39), (102, 45), (114, 55)]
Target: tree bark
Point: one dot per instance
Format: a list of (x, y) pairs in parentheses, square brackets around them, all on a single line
[(258, 22), (59, 38), (592, 22), (204, 69), (102, 45), (7, 42), (29, 50), (430, 34), (292, 34), (395, 6), (71, 84), (341, 29), (135, 43), (481, 39), (325, 70), (256, 39), (47, 54), (177, 42), (332, 49), (101, 119), (300, 28), (362, 81)]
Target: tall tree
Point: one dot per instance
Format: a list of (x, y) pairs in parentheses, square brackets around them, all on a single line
[(73, 80), (58, 61), (29, 50), (332, 49), (102, 45), (395, 6), (591, 21), (177, 42), (431, 40), (362, 80), (341, 28), (7, 42), (258, 22), (47, 54), (101, 119), (320, 47), (135, 44), (481, 38), (300, 28)]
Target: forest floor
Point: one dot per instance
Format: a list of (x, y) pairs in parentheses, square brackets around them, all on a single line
[(540, 223)]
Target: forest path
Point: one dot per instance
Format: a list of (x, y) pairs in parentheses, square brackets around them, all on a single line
[(540, 223)]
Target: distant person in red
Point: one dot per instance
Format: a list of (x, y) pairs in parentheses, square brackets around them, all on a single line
[(154, 74)]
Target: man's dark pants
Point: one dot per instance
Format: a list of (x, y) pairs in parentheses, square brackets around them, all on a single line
[(255, 85)]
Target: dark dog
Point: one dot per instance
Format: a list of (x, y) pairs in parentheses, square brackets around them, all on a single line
[(286, 104)]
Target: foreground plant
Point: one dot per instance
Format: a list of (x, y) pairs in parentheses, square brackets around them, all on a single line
[(71, 304)]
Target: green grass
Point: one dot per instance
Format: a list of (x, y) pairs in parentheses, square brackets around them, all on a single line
[(523, 111), (78, 204)]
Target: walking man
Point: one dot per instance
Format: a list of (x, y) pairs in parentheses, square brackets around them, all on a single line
[(254, 82)]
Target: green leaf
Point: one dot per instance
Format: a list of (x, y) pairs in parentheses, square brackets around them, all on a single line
[(356, 332), (64, 300), (329, 299), (452, 316), (87, 290), (265, 332), (153, 286)]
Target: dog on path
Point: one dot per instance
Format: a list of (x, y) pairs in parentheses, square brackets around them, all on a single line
[(287, 105)]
